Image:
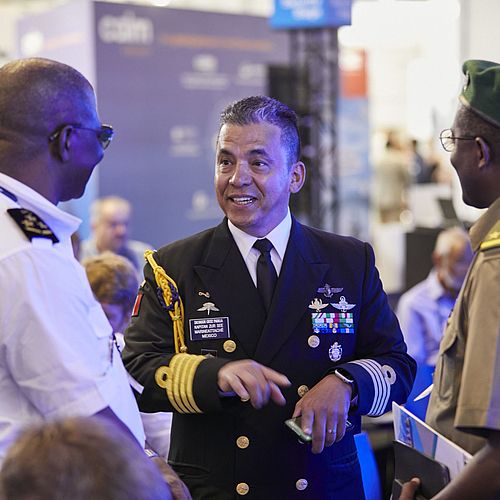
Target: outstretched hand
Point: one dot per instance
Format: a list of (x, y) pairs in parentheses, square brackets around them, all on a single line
[(253, 382)]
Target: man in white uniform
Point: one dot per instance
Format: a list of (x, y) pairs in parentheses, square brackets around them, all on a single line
[(57, 354)]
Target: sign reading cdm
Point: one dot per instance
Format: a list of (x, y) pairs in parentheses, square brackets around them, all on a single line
[(300, 14)]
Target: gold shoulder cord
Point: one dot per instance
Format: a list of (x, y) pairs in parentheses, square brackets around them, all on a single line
[(176, 379)]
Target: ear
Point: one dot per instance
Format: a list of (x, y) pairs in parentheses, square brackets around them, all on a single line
[(484, 152), (61, 145), (298, 177)]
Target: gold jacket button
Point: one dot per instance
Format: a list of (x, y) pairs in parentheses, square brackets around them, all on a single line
[(229, 345), (242, 442), (301, 484), (302, 390), (313, 341), (242, 488)]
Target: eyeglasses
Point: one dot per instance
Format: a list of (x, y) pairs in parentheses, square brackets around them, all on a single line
[(104, 133), (448, 140)]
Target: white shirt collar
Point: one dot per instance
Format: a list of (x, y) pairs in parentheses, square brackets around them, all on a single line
[(61, 223), (278, 237)]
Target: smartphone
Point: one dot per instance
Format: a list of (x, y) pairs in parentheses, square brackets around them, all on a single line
[(295, 425)]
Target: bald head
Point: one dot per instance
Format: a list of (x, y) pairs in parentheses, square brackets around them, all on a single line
[(110, 219), (41, 98), (37, 95)]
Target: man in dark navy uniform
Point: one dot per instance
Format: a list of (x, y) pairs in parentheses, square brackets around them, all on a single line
[(272, 312)]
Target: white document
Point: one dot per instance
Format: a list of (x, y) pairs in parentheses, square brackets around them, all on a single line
[(410, 430)]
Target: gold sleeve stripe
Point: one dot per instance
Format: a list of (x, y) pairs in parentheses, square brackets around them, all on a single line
[(195, 361), (163, 379), (177, 366), (177, 379), (181, 385)]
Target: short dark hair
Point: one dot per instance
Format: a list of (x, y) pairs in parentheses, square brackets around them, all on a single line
[(257, 109), (37, 95), (472, 124), (80, 459)]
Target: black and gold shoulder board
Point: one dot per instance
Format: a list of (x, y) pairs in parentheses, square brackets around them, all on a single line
[(492, 239), (31, 225)]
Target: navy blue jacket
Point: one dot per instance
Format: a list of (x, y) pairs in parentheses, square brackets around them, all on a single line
[(327, 277)]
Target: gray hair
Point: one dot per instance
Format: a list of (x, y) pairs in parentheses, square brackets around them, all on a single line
[(450, 238), (258, 109), (98, 205)]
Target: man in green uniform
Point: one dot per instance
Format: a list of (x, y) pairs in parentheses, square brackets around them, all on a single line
[(465, 401)]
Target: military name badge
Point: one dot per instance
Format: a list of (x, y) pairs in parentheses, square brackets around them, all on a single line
[(209, 328)]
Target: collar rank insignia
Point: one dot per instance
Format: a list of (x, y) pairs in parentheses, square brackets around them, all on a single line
[(328, 290), (317, 305), (208, 306), (343, 305), (31, 225)]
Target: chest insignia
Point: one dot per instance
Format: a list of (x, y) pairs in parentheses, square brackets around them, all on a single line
[(317, 305), (343, 305), (328, 290), (208, 306), (326, 323), (335, 352), (204, 294)]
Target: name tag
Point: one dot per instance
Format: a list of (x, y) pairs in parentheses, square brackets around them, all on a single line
[(209, 328), (333, 322)]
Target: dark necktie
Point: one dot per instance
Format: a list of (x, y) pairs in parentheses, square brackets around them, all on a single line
[(266, 272)]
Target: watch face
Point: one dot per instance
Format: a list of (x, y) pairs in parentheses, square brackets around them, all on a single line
[(345, 378)]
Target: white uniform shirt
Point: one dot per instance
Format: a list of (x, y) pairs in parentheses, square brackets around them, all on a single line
[(278, 237), (57, 357)]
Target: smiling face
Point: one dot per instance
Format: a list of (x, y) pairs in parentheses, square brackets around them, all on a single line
[(254, 176)]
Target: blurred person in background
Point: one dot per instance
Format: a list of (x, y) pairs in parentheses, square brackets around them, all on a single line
[(421, 171), (423, 310), (465, 401), (110, 226), (113, 280), (392, 179), (79, 459)]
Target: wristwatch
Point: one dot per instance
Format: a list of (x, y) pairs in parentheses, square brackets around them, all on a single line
[(347, 378)]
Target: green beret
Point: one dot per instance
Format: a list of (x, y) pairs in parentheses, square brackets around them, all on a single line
[(481, 91)]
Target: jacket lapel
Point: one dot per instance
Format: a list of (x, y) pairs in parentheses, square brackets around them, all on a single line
[(225, 275), (302, 272)]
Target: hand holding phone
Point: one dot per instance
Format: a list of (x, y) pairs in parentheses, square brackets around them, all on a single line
[(295, 424)]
